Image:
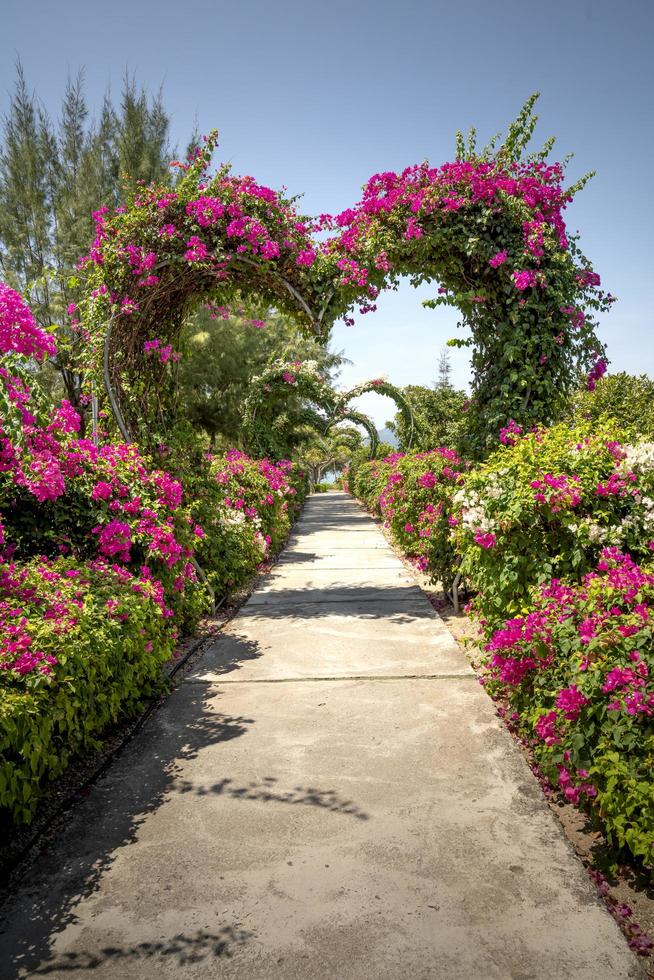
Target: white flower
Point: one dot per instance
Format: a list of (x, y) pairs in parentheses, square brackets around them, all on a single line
[(596, 533), (640, 457)]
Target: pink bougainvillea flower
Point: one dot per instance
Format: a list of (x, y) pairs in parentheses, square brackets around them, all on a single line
[(19, 332)]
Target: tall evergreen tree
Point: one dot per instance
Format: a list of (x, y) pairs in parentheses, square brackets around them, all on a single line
[(444, 370), (53, 176)]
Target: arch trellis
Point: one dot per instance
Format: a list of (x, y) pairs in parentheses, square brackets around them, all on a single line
[(488, 227), (358, 418), (279, 381), (208, 240), (111, 346), (303, 378), (327, 453), (383, 387)]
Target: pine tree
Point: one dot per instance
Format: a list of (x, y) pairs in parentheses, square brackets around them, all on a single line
[(52, 177), (444, 370), (142, 144)]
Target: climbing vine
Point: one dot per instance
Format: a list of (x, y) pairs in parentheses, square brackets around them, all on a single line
[(489, 228), (209, 240), (344, 414), (264, 405)]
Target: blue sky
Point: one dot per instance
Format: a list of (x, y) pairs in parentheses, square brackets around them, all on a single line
[(319, 96)]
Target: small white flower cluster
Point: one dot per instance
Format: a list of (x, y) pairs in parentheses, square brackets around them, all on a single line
[(635, 526), (493, 489), (647, 503), (473, 512), (232, 517), (596, 533), (639, 457)]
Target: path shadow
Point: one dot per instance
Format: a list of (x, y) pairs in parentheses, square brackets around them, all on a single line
[(74, 858), (267, 790), (362, 601), (289, 557), (182, 948), (70, 862), (336, 520), (229, 652)]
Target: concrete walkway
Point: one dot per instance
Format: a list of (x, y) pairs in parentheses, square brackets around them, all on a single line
[(328, 795)]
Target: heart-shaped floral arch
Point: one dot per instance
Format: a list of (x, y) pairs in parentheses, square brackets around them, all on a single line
[(488, 227), (271, 389), (381, 386)]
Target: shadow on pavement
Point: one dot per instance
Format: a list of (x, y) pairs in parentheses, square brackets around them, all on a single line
[(72, 863), (80, 849), (267, 791), (362, 601), (183, 948)]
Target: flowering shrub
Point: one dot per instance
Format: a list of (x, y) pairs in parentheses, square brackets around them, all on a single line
[(114, 506), (96, 563), (81, 645), (246, 510), (19, 332), (413, 494), (543, 507), (577, 672), (63, 495)]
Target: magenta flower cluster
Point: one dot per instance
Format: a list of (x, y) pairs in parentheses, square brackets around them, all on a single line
[(510, 433), (19, 333), (412, 494), (578, 670)]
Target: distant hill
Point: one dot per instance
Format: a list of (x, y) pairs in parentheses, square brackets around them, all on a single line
[(385, 435)]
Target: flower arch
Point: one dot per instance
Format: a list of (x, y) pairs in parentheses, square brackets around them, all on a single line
[(274, 385), (209, 240), (358, 418), (382, 387), (488, 227)]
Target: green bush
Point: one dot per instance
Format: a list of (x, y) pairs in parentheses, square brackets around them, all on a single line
[(626, 399), (86, 649), (413, 495), (544, 508)]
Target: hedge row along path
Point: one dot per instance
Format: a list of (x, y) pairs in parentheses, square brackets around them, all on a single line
[(329, 793)]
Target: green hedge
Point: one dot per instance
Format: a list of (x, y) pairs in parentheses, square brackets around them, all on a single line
[(85, 650)]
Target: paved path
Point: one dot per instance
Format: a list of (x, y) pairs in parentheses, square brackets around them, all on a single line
[(328, 795)]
